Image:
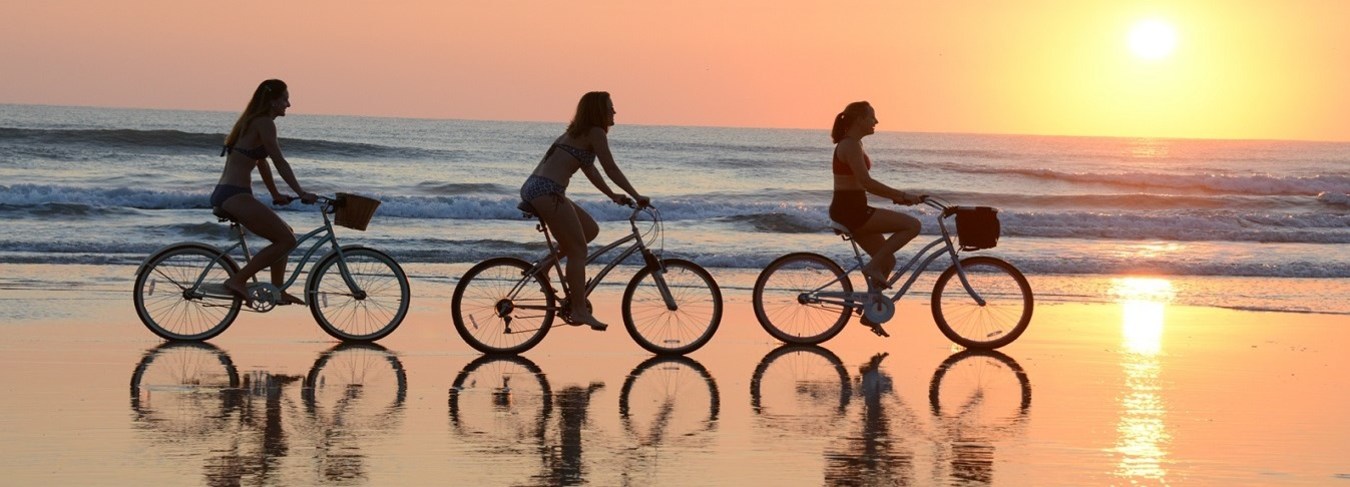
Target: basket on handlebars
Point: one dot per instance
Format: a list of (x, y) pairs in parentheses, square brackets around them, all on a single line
[(977, 227), (354, 211)]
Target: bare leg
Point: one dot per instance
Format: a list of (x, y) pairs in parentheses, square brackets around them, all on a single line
[(902, 228), (262, 221), (573, 228)]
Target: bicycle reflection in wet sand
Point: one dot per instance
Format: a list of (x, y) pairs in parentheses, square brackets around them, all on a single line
[(193, 404), (976, 399), (505, 405)]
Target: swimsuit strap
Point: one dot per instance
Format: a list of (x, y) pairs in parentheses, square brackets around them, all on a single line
[(582, 155)]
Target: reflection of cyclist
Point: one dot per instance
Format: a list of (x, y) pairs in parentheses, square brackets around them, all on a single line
[(565, 464), (852, 182), (870, 458), (252, 140), (584, 141)]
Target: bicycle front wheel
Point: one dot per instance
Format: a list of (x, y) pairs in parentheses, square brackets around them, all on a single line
[(498, 309), (681, 325), (170, 302), (370, 313), (1002, 318), (800, 298)]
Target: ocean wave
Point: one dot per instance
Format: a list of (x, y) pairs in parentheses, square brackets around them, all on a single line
[(115, 143), (476, 250), (1254, 184)]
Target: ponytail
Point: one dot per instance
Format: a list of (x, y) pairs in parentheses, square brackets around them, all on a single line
[(844, 120)]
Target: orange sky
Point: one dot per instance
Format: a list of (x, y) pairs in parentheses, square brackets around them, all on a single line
[(1241, 69)]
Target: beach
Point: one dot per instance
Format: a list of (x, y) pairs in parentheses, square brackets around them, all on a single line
[(1133, 392)]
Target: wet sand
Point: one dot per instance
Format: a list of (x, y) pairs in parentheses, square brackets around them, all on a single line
[(1130, 393)]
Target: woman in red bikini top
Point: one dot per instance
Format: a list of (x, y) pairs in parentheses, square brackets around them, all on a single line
[(852, 182)]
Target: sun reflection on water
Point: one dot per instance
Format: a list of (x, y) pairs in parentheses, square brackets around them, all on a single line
[(1142, 437)]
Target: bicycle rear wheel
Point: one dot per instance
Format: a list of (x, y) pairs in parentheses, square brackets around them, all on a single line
[(662, 330), (168, 303), (1005, 314), (787, 300), (498, 309), (368, 317)]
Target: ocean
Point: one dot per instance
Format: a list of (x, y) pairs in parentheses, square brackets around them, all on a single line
[(1248, 224)]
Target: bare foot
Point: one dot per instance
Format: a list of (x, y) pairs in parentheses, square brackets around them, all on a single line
[(288, 299), (589, 321), (878, 278), (237, 290)]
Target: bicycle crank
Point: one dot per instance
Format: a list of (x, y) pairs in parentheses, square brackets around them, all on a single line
[(879, 310), (262, 297)]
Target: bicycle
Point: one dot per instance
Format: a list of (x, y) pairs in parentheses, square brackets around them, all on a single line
[(507, 305), (355, 293), (806, 298)]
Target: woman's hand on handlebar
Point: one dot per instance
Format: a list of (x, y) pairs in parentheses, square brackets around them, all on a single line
[(282, 199), (309, 198)]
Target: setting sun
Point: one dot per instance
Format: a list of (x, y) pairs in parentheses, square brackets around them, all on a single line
[(1152, 39)]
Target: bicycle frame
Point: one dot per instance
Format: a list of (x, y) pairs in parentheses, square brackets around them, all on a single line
[(328, 236), (943, 245), (635, 236)]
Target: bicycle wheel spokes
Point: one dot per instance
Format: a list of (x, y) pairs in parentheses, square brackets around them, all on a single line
[(667, 399), (497, 309), (370, 316), (1005, 314), (658, 328), (180, 388), (796, 298), (502, 400), (356, 386), (168, 304), (803, 388)]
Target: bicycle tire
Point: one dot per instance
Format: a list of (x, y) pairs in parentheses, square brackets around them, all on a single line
[(358, 319), (777, 303), (502, 403), (664, 331), (1005, 315), (484, 293), (806, 379), (173, 315), (672, 385), (173, 383), (343, 379)]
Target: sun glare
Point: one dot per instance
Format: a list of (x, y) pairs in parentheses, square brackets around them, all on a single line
[(1152, 39)]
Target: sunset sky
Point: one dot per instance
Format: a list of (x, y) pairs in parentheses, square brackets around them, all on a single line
[(1221, 69)]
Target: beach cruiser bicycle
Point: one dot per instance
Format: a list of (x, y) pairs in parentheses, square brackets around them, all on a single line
[(356, 293), (978, 302), (507, 305)]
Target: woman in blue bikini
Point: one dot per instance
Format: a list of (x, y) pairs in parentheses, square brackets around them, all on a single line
[(250, 143), (584, 141)]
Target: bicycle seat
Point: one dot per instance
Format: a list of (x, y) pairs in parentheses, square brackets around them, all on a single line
[(223, 215), (839, 229), (528, 210)]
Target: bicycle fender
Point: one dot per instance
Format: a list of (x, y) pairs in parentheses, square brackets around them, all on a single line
[(199, 245)]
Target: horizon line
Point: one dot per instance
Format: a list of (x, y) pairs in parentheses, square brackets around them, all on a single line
[(925, 132)]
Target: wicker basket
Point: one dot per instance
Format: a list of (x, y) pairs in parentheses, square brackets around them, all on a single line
[(354, 211)]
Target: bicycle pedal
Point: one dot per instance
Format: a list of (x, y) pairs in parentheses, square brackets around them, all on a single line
[(879, 331)]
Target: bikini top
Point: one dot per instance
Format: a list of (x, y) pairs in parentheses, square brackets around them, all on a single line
[(259, 152), (584, 156), (841, 167)]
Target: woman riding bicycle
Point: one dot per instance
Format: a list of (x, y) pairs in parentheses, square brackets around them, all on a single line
[(852, 182), (252, 140), (578, 147)]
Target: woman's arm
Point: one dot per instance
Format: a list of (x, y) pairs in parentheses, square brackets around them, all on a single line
[(600, 145), (267, 130), (265, 171), (853, 155)]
